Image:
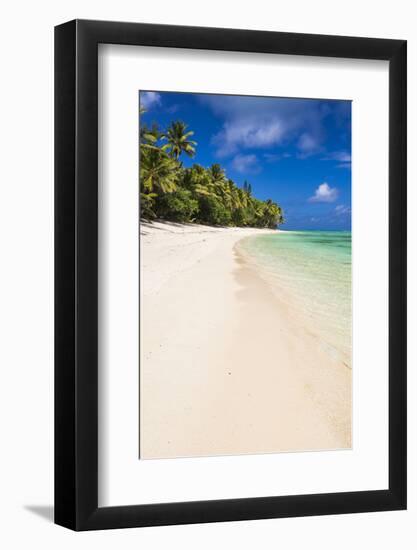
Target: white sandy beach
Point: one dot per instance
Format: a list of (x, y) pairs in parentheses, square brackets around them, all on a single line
[(227, 367)]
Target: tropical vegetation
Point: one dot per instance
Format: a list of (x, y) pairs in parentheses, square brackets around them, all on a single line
[(170, 191)]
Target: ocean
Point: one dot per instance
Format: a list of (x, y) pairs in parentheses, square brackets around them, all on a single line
[(314, 269)]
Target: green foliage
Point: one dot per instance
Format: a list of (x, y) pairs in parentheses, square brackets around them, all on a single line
[(178, 141), (206, 195), (158, 172), (213, 211), (147, 205), (178, 206)]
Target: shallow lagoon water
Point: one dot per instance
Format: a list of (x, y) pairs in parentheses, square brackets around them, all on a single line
[(314, 267)]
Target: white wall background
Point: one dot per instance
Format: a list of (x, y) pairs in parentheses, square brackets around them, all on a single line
[(26, 289)]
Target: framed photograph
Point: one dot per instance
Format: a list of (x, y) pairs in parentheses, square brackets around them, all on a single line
[(230, 252)]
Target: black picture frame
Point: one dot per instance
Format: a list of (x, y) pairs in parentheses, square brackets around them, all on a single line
[(76, 272)]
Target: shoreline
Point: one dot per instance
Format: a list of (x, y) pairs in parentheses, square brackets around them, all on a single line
[(226, 366), (314, 328)]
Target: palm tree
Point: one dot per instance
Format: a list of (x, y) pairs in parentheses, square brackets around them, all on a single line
[(247, 188), (225, 193), (243, 198), (234, 193), (220, 185), (150, 136), (158, 171), (178, 142), (272, 214), (197, 180), (217, 173)]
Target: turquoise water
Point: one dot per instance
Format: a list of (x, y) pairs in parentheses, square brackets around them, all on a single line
[(314, 267)]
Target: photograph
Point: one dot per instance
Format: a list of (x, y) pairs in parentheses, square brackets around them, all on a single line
[(245, 274)]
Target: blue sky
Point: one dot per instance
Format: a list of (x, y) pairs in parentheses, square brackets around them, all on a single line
[(295, 151)]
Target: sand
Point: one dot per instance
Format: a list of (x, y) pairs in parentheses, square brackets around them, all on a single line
[(227, 366)]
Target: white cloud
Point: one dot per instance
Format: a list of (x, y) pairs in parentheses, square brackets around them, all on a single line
[(247, 134), (340, 156), (308, 144), (258, 122), (324, 193), (246, 164), (342, 210), (149, 99)]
